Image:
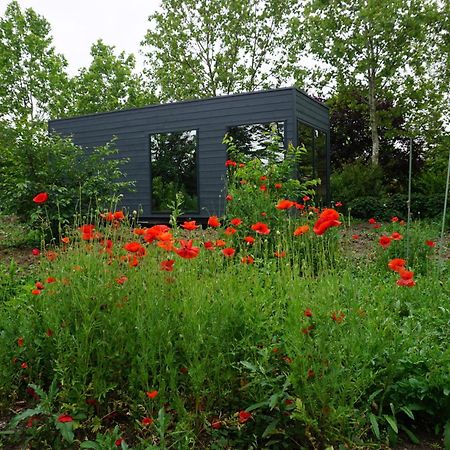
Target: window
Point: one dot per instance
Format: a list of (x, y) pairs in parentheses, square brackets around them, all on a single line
[(313, 163), (173, 159), (252, 141)]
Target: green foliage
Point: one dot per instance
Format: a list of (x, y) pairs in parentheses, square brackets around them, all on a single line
[(73, 177), (357, 180), (201, 48), (108, 84)]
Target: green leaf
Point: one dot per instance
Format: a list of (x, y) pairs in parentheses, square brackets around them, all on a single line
[(392, 422), (89, 444), (375, 427), (25, 415), (270, 428), (412, 437), (447, 436), (407, 411), (249, 366), (256, 406)]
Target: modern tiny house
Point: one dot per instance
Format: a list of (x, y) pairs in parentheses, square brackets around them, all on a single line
[(178, 146)]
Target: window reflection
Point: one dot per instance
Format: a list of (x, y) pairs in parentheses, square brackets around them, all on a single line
[(313, 163), (253, 141), (173, 159)]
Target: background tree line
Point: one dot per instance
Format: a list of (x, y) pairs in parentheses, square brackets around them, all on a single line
[(382, 67)]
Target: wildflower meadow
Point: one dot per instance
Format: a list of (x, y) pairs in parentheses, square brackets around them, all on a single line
[(274, 326)]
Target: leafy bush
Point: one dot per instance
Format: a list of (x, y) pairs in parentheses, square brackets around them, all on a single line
[(422, 206), (75, 179), (357, 180)]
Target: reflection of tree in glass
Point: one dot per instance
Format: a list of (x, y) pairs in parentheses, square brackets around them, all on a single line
[(253, 140), (173, 164)]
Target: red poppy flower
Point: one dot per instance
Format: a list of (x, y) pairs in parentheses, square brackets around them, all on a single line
[(50, 280), (208, 245), (146, 421), (87, 229), (263, 178), (278, 185), (281, 254), (263, 188), (284, 204), (49, 332), (152, 394), (167, 265), (230, 163), (247, 260), (307, 312), (64, 418), (216, 424), (35, 252), (122, 279), (263, 214), (244, 416), (184, 370), (20, 342), (311, 373), (405, 274), (24, 365), (228, 198), (241, 165), (213, 221), (327, 218), (385, 241), (134, 247), (260, 228), (190, 225), (230, 231), (394, 219), (119, 442), (236, 222), (306, 198), (109, 216), (299, 206), (402, 223), (220, 243), (430, 243), (249, 240), (372, 221), (287, 360), (396, 264), (39, 285), (186, 250), (228, 252), (308, 329), (40, 198), (65, 240), (338, 204), (356, 236), (153, 232), (396, 236), (408, 282), (119, 215), (139, 231), (35, 291), (302, 229)]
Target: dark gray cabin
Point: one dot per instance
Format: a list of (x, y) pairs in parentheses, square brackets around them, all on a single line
[(178, 146)]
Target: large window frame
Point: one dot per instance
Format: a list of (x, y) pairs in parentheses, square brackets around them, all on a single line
[(166, 212), (323, 188)]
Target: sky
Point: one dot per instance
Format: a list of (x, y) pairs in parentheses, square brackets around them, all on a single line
[(76, 25)]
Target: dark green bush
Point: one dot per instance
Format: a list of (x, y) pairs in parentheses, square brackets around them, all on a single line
[(357, 180)]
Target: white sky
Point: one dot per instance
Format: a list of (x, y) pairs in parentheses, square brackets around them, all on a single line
[(76, 25)]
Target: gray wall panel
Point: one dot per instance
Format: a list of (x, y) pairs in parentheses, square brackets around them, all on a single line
[(210, 117)]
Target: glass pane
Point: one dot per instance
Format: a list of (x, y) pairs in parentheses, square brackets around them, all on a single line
[(174, 169), (320, 147), (252, 141), (306, 138)]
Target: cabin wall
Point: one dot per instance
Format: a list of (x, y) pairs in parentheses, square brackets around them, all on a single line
[(210, 117)]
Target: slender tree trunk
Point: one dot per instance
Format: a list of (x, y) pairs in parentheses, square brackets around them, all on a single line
[(373, 119)]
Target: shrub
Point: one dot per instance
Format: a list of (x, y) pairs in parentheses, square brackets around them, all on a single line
[(74, 179)]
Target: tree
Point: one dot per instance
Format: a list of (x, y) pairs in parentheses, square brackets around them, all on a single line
[(32, 75), (203, 48), (109, 83), (379, 48)]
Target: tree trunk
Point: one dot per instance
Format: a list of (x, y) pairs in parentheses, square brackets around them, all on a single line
[(373, 120)]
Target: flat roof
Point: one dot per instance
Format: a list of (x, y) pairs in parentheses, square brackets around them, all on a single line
[(196, 100)]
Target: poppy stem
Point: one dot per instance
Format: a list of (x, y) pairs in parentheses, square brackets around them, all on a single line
[(441, 246), (409, 197)]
